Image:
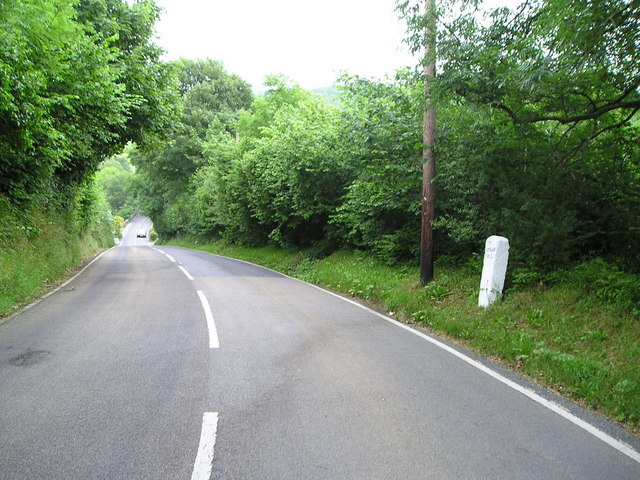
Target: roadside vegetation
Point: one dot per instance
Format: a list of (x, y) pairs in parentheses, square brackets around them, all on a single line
[(537, 141), (40, 247)]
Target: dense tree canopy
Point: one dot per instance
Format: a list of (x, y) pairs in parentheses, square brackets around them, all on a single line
[(537, 141), (570, 65), (549, 91), (211, 98), (381, 208), (120, 185), (79, 80)]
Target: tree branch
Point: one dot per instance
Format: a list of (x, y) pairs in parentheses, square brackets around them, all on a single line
[(597, 134), (594, 105), (587, 116), (514, 118)]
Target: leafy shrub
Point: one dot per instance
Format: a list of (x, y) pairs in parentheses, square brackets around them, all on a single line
[(522, 277), (118, 225), (381, 208)]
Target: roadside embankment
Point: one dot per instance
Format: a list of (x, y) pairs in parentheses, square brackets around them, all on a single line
[(39, 249)]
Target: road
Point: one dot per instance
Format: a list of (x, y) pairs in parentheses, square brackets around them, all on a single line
[(167, 363), (130, 232)]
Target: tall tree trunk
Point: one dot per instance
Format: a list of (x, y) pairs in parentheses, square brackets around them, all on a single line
[(428, 154)]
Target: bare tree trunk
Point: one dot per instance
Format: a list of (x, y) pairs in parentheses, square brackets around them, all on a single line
[(428, 154)]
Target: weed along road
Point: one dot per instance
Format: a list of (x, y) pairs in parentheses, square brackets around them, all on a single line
[(166, 363)]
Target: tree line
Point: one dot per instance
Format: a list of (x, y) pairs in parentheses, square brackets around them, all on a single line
[(537, 133), (537, 141)]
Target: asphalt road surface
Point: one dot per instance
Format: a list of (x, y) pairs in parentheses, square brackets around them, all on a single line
[(167, 363)]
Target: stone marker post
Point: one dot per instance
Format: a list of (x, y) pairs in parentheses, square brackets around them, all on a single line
[(494, 269)]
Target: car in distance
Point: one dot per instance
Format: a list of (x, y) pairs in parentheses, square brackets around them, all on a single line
[(141, 233)]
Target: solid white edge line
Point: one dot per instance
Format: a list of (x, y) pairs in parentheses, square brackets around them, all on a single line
[(62, 285), (554, 407), (204, 459), (184, 270), (213, 333)]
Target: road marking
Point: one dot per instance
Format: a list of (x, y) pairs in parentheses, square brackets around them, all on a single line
[(213, 333), (204, 459), (184, 270), (165, 254), (554, 407), (618, 445), (58, 288)]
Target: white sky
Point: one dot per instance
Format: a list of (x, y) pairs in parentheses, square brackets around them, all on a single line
[(310, 42)]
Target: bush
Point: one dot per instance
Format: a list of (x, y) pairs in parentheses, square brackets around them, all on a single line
[(118, 225)]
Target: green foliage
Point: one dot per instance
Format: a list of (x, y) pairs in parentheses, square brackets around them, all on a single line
[(548, 61), (89, 207), (39, 246), (275, 173), (120, 186), (381, 209), (264, 108), (127, 29), (36, 39), (119, 162), (118, 226), (210, 97), (606, 282), (113, 183), (536, 142), (297, 172), (536, 139), (79, 79), (487, 184)]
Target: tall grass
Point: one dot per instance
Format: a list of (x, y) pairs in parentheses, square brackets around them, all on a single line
[(577, 331), (37, 250)]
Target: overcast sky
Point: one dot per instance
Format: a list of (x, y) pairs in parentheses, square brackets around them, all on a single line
[(308, 41)]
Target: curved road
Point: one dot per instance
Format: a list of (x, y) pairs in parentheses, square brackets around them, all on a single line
[(167, 363)]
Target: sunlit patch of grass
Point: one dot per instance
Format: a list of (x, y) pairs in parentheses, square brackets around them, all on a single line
[(284, 260)]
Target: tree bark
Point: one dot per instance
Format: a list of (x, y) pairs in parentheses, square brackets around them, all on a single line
[(428, 154)]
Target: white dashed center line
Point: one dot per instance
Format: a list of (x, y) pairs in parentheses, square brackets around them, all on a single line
[(213, 333), (204, 458), (184, 270)]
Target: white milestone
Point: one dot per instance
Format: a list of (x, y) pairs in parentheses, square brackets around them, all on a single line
[(494, 270)]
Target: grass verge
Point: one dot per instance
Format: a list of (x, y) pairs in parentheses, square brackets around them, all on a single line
[(36, 257), (577, 332)]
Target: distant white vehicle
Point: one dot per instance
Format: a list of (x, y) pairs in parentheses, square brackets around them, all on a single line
[(141, 233)]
